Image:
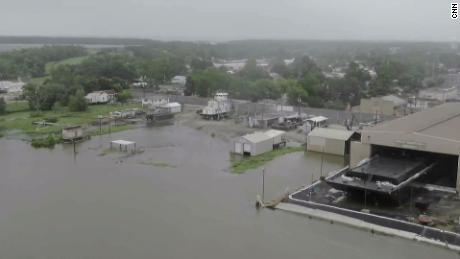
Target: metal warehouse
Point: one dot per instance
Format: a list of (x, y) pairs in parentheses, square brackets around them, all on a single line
[(259, 142), (432, 134), (331, 141)]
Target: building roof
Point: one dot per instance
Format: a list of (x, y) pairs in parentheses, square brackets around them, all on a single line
[(434, 130), (72, 127), (173, 104), (102, 92), (397, 101), (331, 133), (257, 137), (318, 119), (123, 142), (274, 133)]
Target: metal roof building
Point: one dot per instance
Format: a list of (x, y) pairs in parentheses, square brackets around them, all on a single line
[(433, 134), (434, 130), (259, 142), (331, 141)]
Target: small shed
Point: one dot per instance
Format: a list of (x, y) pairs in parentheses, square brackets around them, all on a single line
[(172, 107), (123, 145), (72, 133), (278, 136), (330, 141), (253, 144)]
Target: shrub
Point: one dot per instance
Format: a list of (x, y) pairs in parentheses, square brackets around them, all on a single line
[(77, 103), (35, 114), (2, 106), (47, 142), (51, 119)]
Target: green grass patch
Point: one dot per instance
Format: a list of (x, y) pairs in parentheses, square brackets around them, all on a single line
[(106, 130), (17, 106), (47, 142), (108, 151), (158, 164), (23, 120), (70, 61), (241, 164)]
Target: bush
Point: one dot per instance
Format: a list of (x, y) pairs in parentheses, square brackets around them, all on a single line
[(51, 119), (2, 106), (35, 114), (124, 96), (47, 142), (77, 103)]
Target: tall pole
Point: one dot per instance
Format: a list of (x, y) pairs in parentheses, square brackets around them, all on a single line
[(263, 184), (322, 159)]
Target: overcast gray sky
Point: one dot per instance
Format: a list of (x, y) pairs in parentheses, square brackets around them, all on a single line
[(233, 19)]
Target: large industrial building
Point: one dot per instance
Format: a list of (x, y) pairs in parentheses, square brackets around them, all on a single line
[(431, 135)]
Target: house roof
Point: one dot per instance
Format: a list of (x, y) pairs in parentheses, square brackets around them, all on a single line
[(72, 127), (173, 104), (397, 101), (433, 130), (317, 119), (123, 142), (331, 133), (274, 133), (256, 137)]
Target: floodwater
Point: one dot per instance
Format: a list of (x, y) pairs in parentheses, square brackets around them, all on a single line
[(175, 200)]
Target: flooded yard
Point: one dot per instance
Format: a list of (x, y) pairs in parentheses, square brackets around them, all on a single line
[(177, 199)]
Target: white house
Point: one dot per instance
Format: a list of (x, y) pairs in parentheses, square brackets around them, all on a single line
[(179, 80), (107, 96)]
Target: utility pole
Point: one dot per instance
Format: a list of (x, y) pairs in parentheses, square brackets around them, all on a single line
[(322, 159), (99, 117), (263, 184)]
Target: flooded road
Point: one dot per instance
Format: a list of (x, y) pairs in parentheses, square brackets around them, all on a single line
[(175, 200)]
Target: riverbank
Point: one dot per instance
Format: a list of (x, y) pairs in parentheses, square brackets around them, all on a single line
[(243, 164), (20, 119)]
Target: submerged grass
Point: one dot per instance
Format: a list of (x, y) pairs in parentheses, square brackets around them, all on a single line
[(242, 164), (157, 164), (20, 119)]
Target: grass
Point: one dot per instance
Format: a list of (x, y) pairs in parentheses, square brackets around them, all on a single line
[(17, 106), (106, 130), (242, 164), (70, 61), (108, 151), (158, 164), (23, 119), (38, 80), (47, 142)]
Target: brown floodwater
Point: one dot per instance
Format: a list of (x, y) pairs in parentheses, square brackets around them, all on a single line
[(177, 199)]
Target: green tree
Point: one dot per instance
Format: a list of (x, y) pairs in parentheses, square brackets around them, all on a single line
[(296, 94), (253, 72), (189, 87), (198, 64), (41, 97), (77, 102), (2, 106), (124, 96)]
